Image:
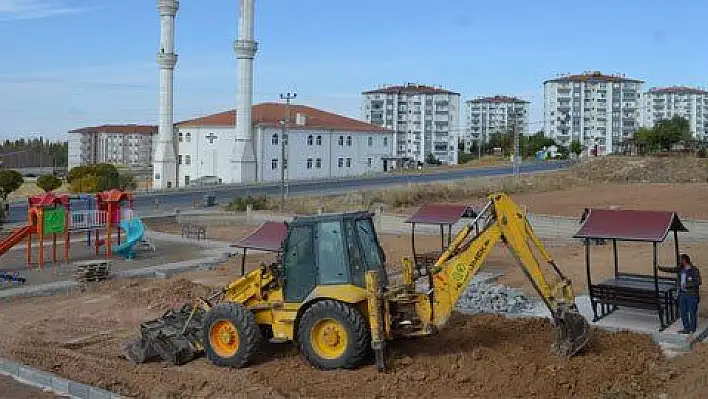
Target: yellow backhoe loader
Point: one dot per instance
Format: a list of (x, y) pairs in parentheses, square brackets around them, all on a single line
[(330, 294)]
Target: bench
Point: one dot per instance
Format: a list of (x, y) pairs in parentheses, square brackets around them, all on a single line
[(194, 231), (635, 291)]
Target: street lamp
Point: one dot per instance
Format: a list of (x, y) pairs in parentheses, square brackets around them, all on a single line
[(287, 97)]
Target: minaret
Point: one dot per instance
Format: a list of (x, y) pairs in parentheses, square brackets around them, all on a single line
[(165, 172), (243, 156)]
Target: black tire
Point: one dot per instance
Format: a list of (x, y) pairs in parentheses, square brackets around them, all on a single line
[(358, 338), (249, 334)]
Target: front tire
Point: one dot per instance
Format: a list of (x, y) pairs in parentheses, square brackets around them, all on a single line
[(333, 335), (231, 335)]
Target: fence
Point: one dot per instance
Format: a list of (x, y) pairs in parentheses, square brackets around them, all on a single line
[(84, 220)]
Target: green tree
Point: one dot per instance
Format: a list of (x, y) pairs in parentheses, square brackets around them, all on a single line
[(85, 184), (535, 143), (107, 177), (10, 180), (672, 131), (431, 160), (575, 147), (48, 183)]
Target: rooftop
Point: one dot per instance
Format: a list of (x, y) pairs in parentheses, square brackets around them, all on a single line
[(497, 99), (677, 90), (118, 129), (410, 88), (270, 114), (593, 76)]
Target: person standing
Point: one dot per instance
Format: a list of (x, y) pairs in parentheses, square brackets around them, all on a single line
[(689, 282)]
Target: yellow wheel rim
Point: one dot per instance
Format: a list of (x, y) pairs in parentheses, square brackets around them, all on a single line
[(223, 337), (329, 339)]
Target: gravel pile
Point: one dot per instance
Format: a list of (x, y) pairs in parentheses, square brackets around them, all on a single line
[(482, 297)]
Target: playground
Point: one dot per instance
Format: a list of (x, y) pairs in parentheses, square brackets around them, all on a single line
[(65, 230)]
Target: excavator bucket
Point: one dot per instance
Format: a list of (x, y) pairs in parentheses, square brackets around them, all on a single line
[(175, 337), (572, 333)]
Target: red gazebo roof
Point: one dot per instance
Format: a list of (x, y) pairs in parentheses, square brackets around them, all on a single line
[(630, 225), (441, 214), (269, 237)]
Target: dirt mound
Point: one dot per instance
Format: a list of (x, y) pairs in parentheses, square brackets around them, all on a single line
[(481, 356), (156, 294), (674, 169), (689, 374)]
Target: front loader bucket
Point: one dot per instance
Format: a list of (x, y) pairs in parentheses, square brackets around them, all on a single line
[(175, 337), (572, 333)]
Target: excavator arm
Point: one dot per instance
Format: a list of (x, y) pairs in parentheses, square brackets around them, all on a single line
[(502, 220)]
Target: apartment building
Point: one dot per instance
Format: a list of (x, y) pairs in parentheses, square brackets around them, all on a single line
[(598, 110), (424, 119), (129, 145), (666, 102), (486, 116)]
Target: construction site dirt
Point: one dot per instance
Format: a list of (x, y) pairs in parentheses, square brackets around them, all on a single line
[(79, 336)]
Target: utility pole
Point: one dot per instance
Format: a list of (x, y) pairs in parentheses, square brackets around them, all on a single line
[(516, 144), (287, 97)]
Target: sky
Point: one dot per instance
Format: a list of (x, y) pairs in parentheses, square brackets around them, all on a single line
[(66, 64)]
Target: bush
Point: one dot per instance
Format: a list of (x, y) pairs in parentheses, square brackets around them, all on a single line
[(107, 176), (48, 183), (257, 203), (701, 153)]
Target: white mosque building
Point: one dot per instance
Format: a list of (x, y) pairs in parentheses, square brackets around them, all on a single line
[(318, 145)]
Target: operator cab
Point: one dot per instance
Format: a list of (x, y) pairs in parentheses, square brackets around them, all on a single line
[(335, 249)]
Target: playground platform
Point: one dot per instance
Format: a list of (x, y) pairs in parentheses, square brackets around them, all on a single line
[(166, 251)]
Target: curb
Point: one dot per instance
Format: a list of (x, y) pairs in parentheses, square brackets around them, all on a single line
[(44, 380)]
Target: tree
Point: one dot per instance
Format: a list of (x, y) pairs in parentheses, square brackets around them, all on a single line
[(672, 131), (48, 183), (576, 148), (10, 180), (431, 160), (106, 176), (535, 143)]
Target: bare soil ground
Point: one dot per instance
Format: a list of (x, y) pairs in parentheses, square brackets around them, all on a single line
[(12, 389), (79, 336)]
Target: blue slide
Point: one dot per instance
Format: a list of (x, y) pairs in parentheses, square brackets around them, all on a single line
[(134, 230)]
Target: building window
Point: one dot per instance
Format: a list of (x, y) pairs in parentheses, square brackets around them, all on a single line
[(274, 139), (189, 137), (341, 141), (187, 159), (274, 163), (340, 162), (179, 159), (349, 162), (318, 163), (371, 141), (186, 180), (349, 141), (179, 137), (309, 140), (319, 140), (309, 162), (368, 161), (385, 141)]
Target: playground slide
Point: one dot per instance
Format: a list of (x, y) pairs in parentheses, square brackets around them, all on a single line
[(16, 236), (134, 230)]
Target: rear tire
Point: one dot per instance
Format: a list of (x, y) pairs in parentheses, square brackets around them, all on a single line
[(231, 335), (334, 335)]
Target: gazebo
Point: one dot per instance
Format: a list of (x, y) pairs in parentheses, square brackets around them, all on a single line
[(643, 291), (438, 215), (268, 237)]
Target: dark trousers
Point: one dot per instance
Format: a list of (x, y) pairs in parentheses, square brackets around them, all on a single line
[(688, 307)]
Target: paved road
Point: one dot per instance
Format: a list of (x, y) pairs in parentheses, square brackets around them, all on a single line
[(145, 203)]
